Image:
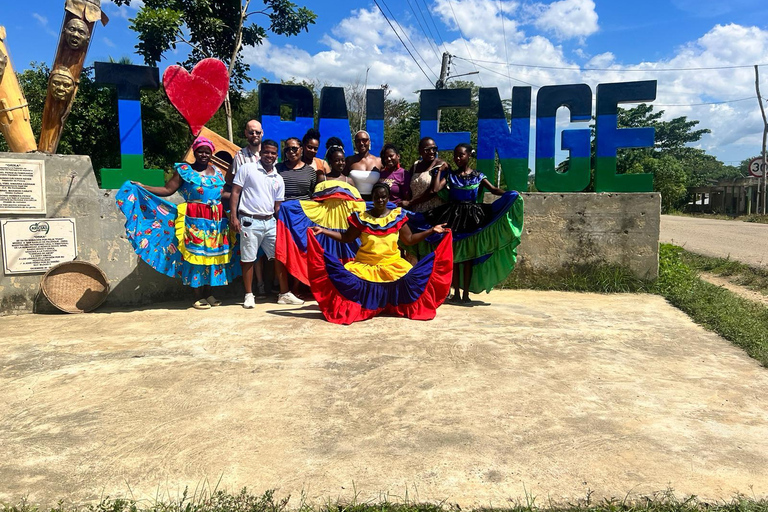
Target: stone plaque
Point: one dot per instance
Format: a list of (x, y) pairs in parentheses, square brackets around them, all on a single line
[(35, 245), (22, 186)]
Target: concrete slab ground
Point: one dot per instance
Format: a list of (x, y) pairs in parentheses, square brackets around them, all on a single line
[(547, 394)]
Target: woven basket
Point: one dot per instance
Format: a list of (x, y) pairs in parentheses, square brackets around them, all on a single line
[(75, 286)]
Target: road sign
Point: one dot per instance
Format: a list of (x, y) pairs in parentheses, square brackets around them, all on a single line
[(756, 167)]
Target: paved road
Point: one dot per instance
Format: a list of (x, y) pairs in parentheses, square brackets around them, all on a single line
[(742, 241)]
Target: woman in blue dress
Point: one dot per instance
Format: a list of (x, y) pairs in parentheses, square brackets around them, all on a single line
[(191, 241), (485, 236)]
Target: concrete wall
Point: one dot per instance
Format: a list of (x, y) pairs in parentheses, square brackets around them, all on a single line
[(562, 231), (101, 240)]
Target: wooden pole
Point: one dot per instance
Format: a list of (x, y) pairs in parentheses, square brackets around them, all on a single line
[(14, 112), (80, 16), (765, 133)]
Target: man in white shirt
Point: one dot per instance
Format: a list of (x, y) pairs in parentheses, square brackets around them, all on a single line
[(257, 192)]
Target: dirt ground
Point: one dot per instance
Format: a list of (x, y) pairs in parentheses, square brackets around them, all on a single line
[(545, 394)]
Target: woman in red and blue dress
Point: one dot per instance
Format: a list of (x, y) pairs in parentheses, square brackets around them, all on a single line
[(379, 280)]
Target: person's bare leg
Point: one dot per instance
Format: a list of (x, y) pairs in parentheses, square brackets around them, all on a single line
[(455, 282), (282, 276), (259, 269), (247, 276), (467, 280)]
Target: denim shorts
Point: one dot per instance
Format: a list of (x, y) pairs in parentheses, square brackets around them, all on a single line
[(255, 234)]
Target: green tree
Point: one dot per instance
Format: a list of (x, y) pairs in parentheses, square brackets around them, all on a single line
[(214, 28), (92, 126)]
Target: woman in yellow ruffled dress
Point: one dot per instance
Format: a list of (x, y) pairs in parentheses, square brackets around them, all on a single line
[(379, 280)]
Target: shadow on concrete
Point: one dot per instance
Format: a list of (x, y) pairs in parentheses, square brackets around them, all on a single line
[(310, 311)]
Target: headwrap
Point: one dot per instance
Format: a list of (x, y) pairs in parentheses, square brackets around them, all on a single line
[(203, 141)]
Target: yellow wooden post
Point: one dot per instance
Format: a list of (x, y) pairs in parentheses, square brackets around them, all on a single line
[(14, 112)]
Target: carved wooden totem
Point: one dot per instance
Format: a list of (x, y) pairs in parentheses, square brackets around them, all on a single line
[(80, 16), (14, 112)]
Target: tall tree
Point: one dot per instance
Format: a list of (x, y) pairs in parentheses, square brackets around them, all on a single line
[(214, 28)]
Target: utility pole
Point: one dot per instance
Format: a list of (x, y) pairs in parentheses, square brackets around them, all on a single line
[(765, 133), (444, 69)]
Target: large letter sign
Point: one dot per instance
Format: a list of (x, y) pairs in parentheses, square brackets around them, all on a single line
[(432, 100), (129, 80), (495, 135), (578, 99), (609, 137), (272, 97)]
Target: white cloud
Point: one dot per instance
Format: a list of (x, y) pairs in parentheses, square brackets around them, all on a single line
[(123, 11), (42, 20), (567, 18), (363, 41)]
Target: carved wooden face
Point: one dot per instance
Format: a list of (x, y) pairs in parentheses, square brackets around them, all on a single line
[(76, 34), (3, 63), (62, 85)]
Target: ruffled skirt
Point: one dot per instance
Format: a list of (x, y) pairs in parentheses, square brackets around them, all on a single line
[(191, 241), (345, 298), (485, 234)]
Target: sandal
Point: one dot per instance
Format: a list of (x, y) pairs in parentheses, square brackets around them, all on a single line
[(213, 301), (201, 304)]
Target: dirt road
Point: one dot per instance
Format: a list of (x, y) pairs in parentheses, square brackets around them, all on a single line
[(742, 241), (543, 394)]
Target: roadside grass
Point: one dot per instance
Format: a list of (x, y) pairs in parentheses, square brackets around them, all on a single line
[(586, 278), (755, 278), (743, 322), (221, 501)]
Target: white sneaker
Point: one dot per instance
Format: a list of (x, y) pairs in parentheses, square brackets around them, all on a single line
[(249, 301), (289, 298)]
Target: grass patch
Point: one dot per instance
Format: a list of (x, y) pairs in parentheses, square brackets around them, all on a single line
[(220, 501), (596, 279), (741, 321), (755, 278)]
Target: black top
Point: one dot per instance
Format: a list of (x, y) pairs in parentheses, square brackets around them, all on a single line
[(299, 183)]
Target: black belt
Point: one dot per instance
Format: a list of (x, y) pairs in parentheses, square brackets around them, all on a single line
[(257, 217)]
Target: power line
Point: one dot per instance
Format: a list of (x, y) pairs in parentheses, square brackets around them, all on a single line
[(401, 41), (707, 103), (654, 104), (437, 31), (461, 33), (571, 68), (408, 38), (429, 40), (502, 74)]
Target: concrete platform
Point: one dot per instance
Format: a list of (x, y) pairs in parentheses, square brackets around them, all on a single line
[(546, 394)]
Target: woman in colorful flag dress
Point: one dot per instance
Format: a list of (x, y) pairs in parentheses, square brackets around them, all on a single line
[(379, 280), (191, 241)]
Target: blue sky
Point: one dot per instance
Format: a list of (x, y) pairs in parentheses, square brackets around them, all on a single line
[(541, 36)]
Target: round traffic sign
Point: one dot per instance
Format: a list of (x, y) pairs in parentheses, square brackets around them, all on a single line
[(757, 167)]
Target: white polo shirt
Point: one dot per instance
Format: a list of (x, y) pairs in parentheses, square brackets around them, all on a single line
[(261, 189)]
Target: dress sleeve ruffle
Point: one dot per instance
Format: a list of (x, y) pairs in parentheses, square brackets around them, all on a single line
[(193, 177)]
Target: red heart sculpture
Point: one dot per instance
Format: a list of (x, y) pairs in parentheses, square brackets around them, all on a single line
[(197, 95)]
